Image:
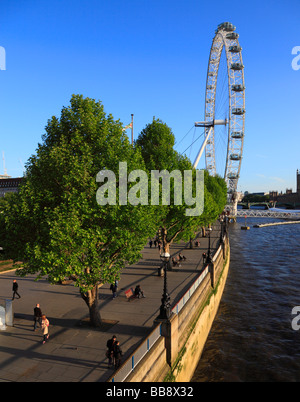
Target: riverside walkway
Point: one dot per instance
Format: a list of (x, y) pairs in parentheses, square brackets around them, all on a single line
[(75, 352)]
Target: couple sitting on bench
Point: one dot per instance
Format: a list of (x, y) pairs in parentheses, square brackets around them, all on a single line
[(176, 260)]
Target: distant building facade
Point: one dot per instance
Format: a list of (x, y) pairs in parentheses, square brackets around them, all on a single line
[(289, 198), (9, 184)]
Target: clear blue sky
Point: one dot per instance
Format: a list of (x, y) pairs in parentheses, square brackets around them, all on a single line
[(149, 58)]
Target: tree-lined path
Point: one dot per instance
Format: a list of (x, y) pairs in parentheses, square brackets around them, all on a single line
[(77, 352)]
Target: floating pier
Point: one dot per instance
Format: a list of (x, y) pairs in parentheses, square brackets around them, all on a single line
[(262, 225)]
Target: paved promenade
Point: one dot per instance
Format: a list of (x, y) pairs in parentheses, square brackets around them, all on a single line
[(75, 352)]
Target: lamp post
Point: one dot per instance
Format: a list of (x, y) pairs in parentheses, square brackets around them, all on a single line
[(222, 231), (131, 128), (165, 308), (209, 251)]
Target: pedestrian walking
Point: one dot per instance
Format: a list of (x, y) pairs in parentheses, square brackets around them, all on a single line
[(110, 349), (150, 243), (15, 289), (113, 288), (37, 318), (45, 328), (117, 352)]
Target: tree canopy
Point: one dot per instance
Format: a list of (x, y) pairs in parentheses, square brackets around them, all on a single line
[(58, 228), (55, 225), (157, 146)]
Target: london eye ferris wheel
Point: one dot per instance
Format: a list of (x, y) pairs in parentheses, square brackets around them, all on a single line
[(224, 122)]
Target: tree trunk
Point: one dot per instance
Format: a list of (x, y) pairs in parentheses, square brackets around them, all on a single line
[(91, 299), (166, 246)]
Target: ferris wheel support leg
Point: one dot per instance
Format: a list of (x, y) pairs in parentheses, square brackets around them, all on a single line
[(234, 207), (202, 149)]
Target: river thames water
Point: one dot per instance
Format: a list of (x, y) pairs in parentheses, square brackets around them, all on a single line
[(252, 337)]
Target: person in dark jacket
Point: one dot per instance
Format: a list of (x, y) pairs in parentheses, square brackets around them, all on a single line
[(117, 352), (15, 289), (110, 349), (181, 257), (138, 291), (114, 288), (37, 316)]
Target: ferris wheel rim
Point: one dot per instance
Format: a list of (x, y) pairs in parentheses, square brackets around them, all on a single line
[(226, 38)]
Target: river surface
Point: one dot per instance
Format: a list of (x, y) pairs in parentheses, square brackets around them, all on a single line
[(252, 337)]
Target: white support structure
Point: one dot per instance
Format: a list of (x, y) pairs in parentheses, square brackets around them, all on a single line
[(198, 157), (209, 124)]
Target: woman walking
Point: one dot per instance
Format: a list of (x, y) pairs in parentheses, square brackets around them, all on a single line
[(45, 328)]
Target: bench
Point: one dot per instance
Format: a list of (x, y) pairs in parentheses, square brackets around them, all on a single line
[(130, 294)]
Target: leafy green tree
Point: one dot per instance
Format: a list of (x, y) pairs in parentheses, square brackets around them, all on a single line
[(55, 225), (216, 191), (256, 198), (157, 142), (157, 146)]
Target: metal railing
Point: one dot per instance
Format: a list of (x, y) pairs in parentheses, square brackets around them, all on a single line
[(133, 360), (257, 213), (188, 294)]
